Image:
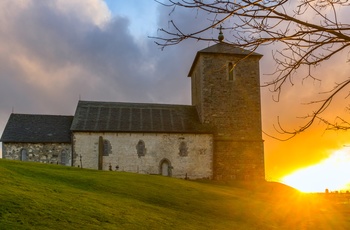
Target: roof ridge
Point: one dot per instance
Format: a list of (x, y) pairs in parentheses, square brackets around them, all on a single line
[(132, 103)]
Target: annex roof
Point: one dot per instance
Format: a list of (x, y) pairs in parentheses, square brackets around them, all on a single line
[(223, 48), (28, 128), (96, 116)]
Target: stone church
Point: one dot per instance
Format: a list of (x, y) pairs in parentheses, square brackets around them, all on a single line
[(218, 137)]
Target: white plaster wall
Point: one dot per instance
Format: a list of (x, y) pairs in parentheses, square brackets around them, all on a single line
[(197, 163)]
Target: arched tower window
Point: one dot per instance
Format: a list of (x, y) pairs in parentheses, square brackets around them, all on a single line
[(141, 148), (24, 155), (231, 71)]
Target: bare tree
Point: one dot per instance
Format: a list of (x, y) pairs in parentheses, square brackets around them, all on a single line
[(306, 32)]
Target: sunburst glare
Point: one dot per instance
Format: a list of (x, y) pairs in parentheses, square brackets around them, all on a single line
[(333, 173)]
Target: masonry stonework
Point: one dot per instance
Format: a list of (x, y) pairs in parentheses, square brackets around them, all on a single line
[(160, 148), (232, 105), (50, 153)]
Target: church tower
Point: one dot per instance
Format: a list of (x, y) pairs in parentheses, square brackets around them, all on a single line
[(226, 92)]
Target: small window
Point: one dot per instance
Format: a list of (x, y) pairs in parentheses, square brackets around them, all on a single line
[(231, 71), (24, 155), (64, 157), (183, 149), (141, 148), (106, 147)]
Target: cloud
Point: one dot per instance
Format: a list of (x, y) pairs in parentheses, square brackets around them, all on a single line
[(69, 48), (53, 52)]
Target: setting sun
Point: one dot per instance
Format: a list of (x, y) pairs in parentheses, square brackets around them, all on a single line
[(333, 173)]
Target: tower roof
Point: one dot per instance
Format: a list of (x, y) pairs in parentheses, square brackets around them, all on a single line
[(223, 48)]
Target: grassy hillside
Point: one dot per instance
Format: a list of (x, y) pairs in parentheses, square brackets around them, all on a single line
[(39, 196)]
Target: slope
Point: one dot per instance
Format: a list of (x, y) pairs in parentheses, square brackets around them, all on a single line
[(41, 196)]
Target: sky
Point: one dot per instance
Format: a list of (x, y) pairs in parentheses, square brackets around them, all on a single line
[(53, 53)]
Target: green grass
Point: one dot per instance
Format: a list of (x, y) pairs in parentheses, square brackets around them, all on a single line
[(40, 196)]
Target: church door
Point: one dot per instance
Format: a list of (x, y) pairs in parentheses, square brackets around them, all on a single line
[(23, 156), (165, 168), (63, 157)]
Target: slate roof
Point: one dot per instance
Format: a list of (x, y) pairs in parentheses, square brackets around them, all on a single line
[(95, 116), (223, 48), (28, 128)]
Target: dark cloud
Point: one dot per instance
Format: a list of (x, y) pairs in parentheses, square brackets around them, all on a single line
[(52, 53), (97, 62)]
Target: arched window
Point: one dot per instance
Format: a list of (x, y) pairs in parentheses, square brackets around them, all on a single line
[(24, 155), (230, 71), (64, 157), (141, 148), (106, 147), (183, 149)]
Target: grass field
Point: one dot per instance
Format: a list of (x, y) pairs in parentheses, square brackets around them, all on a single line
[(41, 196)]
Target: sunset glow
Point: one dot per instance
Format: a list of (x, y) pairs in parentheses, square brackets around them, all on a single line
[(333, 173)]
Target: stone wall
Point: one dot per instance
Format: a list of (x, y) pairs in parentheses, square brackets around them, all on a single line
[(178, 155), (232, 104), (238, 160), (51, 153)]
